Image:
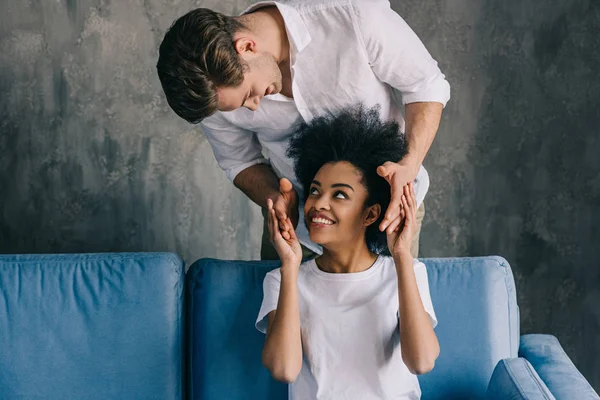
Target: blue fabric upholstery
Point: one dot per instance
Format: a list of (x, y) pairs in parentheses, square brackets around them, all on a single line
[(515, 379), (474, 299), (555, 368), (91, 326), (478, 324), (225, 349)]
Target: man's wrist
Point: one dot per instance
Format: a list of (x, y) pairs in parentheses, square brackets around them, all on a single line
[(412, 163)]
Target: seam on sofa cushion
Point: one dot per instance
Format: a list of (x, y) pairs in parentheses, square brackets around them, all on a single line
[(513, 378), (510, 327), (530, 371)]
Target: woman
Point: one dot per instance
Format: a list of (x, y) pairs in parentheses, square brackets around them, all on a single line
[(356, 322)]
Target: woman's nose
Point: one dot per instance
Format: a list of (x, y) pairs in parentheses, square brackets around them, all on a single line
[(322, 203)]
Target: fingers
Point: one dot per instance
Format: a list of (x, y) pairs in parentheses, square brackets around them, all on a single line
[(401, 218), (281, 213), (411, 213), (413, 194), (270, 219), (392, 211), (403, 206), (282, 204), (393, 226), (285, 185), (280, 208), (385, 169), (410, 201), (291, 233)]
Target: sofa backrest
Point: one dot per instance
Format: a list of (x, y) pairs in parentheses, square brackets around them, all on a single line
[(91, 326), (474, 300), (478, 324)]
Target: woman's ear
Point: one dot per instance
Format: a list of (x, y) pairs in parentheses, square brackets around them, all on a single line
[(372, 214), (244, 45)]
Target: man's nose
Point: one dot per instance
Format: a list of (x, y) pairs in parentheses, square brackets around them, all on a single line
[(253, 103)]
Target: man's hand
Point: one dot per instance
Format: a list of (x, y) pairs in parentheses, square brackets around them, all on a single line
[(397, 175), (286, 206)]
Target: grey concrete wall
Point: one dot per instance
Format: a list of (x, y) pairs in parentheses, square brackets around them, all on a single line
[(515, 168), (92, 159)]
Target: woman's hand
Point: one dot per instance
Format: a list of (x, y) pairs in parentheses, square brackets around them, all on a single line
[(289, 250), (400, 239)]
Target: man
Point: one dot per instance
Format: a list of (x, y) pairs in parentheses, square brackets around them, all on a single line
[(250, 80)]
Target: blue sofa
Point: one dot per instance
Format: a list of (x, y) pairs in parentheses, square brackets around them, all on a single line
[(122, 326), (482, 355)]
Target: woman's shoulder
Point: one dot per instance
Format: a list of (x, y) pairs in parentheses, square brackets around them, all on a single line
[(304, 267), (388, 261)]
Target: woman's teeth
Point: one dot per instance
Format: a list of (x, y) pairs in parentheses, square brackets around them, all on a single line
[(322, 221)]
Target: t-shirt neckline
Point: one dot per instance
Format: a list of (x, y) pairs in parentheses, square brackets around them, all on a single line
[(350, 276)]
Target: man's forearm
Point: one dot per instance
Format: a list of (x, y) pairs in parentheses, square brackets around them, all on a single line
[(422, 123), (259, 183)]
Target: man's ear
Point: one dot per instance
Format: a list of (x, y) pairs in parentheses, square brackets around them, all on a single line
[(244, 45), (372, 214)]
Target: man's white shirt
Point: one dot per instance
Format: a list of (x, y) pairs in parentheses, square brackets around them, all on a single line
[(342, 52)]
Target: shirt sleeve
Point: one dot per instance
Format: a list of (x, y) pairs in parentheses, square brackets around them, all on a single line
[(235, 148), (397, 55), (423, 285), (271, 285)]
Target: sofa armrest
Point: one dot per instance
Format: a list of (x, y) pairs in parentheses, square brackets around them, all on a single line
[(556, 369), (515, 379)]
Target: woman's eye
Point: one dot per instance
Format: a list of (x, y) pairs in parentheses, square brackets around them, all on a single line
[(313, 191), (340, 195)]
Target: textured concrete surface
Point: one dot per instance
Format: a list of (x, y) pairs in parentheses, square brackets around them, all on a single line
[(515, 168), (92, 159)]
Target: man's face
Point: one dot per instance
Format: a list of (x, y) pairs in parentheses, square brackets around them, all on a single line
[(262, 78)]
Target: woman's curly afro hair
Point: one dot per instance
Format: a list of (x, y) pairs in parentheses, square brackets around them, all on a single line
[(356, 135)]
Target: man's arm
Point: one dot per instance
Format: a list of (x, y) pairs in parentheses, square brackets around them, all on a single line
[(259, 183), (239, 154), (422, 123), (399, 58)]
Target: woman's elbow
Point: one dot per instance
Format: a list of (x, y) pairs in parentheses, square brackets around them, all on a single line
[(422, 367), (285, 376), (282, 371)]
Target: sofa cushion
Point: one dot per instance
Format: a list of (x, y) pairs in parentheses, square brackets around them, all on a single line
[(515, 379), (555, 368), (91, 326)]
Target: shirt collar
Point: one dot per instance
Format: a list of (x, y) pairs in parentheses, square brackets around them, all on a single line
[(297, 31)]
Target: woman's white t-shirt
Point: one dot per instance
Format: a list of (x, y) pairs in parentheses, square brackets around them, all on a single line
[(349, 329)]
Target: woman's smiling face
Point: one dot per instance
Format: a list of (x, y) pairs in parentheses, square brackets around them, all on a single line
[(335, 208)]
